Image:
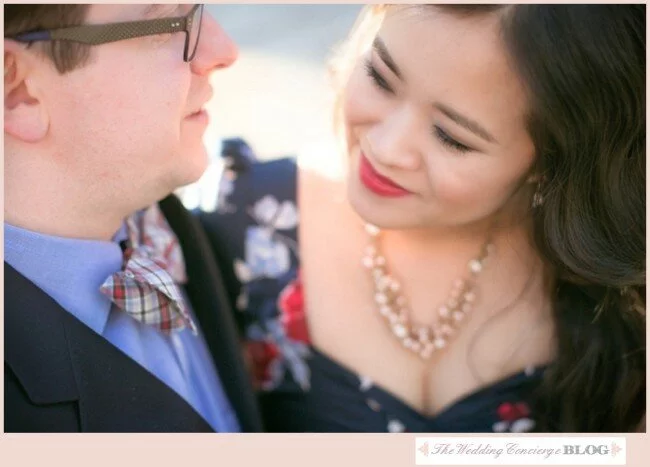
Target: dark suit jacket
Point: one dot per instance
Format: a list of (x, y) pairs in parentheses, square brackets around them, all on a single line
[(60, 376)]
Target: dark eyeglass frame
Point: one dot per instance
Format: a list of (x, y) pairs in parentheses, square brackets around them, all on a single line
[(95, 34)]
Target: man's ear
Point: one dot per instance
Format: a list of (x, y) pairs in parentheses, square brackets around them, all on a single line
[(26, 118)]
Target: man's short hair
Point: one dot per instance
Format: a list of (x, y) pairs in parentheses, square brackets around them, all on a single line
[(66, 55)]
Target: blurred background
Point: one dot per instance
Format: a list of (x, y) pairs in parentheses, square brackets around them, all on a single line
[(276, 96)]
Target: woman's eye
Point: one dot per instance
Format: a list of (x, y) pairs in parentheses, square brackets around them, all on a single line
[(448, 141), (377, 79)]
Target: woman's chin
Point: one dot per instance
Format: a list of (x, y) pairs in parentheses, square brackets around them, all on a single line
[(385, 214)]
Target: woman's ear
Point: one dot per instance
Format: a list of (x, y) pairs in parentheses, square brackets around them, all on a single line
[(26, 118), (537, 178), (534, 178)]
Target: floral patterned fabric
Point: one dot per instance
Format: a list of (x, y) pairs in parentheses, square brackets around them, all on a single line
[(254, 235)]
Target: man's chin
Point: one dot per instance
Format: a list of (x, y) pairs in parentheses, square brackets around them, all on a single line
[(192, 174), (188, 168), (196, 158)]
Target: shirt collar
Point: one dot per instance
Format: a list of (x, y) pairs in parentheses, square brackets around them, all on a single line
[(68, 270)]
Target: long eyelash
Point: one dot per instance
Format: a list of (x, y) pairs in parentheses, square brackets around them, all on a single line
[(448, 141), (377, 79)]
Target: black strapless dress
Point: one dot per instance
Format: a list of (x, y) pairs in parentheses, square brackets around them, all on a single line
[(254, 234)]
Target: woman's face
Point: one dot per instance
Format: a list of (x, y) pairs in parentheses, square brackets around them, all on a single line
[(435, 121)]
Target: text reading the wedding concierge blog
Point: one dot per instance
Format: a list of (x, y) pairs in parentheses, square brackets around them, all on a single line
[(520, 450)]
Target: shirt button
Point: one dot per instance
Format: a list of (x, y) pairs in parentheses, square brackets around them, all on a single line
[(129, 274)]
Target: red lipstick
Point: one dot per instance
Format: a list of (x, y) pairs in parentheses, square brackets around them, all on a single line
[(377, 183)]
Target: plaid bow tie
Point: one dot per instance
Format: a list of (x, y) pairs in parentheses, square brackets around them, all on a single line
[(146, 287)]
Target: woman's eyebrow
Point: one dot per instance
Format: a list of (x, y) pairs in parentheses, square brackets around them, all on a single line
[(465, 122), (382, 51)]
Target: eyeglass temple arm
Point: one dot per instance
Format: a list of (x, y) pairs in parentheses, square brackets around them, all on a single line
[(103, 33)]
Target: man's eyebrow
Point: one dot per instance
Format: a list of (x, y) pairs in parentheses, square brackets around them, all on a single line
[(465, 122), (159, 10), (382, 51)]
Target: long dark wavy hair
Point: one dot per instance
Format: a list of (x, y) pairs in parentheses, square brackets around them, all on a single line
[(584, 70)]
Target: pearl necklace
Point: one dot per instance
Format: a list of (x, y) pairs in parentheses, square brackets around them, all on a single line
[(421, 339)]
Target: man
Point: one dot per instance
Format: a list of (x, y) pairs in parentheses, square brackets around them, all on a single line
[(115, 314)]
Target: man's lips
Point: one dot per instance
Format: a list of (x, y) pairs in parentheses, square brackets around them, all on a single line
[(200, 109), (376, 182), (201, 117), (197, 113)]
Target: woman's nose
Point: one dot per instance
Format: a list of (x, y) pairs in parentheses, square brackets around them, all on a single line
[(393, 141)]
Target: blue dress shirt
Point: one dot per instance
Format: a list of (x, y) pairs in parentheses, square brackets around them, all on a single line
[(71, 272)]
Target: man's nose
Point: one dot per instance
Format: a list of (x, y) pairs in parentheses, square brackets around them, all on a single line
[(215, 49)]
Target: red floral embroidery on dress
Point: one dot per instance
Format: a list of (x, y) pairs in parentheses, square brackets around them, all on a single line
[(513, 417), (510, 412), (292, 311), (261, 355)]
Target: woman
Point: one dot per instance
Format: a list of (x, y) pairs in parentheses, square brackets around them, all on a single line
[(481, 265)]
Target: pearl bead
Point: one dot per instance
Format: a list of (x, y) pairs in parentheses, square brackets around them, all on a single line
[(367, 262), (475, 266), (469, 296), (439, 343), (382, 282), (372, 230), (443, 311), (458, 316), (381, 298), (399, 330)]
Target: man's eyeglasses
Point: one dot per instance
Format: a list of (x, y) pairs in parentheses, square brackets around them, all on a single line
[(95, 34)]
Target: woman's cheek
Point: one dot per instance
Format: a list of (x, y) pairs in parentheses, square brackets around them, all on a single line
[(363, 103), (456, 191)]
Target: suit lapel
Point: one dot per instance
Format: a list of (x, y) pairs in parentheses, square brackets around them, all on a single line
[(36, 347), (58, 359), (208, 297), (121, 396)]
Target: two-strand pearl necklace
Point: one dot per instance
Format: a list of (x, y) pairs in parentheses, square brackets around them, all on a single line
[(422, 339)]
